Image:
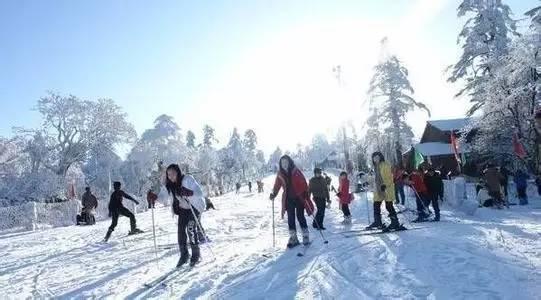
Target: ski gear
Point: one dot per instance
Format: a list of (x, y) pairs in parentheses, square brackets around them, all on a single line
[(305, 236), (293, 240)]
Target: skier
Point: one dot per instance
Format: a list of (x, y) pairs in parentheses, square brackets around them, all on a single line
[(317, 187), (188, 204), (521, 181), (329, 181), (398, 176), (209, 204), (238, 187), (116, 209), (434, 184), (295, 199), (384, 192), (156, 182), (416, 182), (90, 203), (260, 186), (250, 186), (493, 179), (345, 197)]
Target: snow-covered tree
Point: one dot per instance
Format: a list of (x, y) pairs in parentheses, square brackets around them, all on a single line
[(209, 136), (162, 142), (484, 39), (511, 89), (275, 158), (390, 100), (72, 127), (190, 139)]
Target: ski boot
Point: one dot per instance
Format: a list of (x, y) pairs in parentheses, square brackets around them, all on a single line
[(135, 231), (184, 256), (305, 236), (196, 255), (347, 220), (394, 226), (377, 224), (293, 240)]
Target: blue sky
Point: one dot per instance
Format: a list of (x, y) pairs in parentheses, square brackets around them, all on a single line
[(251, 64)]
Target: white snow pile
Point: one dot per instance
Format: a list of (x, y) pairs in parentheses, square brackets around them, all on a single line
[(495, 254)]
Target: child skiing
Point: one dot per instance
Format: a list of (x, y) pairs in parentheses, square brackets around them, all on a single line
[(116, 209), (294, 199), (345, 197), (434, 185), (383, 192), (188, 204), (417, 183), (90, 203), (317, 187)]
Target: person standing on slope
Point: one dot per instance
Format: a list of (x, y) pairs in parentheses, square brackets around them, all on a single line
[(116, 209), (250, 186), (317, 187), (188, 204), (90, 203), (383, 192), (295, 199), (417, 182), (434, 185), (345, 197)]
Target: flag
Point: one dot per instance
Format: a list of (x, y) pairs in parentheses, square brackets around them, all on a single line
[(518, 147), (418, 158), (454, 145)]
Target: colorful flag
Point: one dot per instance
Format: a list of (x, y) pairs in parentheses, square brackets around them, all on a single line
[(454, 145)]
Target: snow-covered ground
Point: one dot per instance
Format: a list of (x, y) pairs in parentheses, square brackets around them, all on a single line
[(492, 255)]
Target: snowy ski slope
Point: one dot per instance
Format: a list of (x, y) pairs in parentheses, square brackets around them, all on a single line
[(493, 255)]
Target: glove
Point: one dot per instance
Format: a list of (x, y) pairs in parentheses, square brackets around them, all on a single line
[(383, 187), (272, 196), (136, 202), (338, 194)]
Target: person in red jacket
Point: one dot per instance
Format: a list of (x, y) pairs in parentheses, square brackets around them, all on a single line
[(345, 197), (295, 199), (416, 182)]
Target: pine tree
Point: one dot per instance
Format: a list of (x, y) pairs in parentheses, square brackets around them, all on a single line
[(190, 139), (390, 100), (485, 38)]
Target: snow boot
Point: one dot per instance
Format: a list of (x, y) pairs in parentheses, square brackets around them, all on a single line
[(196, 255), (305, 236), (108, 235), (293, 240), (184, 256)]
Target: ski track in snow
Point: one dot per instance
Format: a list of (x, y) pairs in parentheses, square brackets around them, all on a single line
[(495, 254)]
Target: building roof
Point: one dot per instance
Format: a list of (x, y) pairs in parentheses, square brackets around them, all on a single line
[(434, 149), (449, 124)]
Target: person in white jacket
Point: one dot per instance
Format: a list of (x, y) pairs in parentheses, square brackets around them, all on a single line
[(188, 204)]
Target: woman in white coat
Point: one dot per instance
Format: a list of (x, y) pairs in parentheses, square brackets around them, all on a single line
[(188, 204)]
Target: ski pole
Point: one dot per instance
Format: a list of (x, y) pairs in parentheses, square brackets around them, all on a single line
[(367, 208), (200, 228), (154, 232), (273, 227), (420, 199), (325, 241)]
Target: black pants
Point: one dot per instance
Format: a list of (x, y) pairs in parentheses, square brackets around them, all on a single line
[(121, 211), (320, 215), (187, 228), (295, 208), (345, 210), (422, 203), (433, 198), (390, 208)]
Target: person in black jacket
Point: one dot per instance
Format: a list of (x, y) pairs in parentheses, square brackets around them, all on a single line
[(116, 209), (318, 188), (434, 186)]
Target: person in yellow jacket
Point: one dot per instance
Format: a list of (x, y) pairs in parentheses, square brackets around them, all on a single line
[(383, 192)]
